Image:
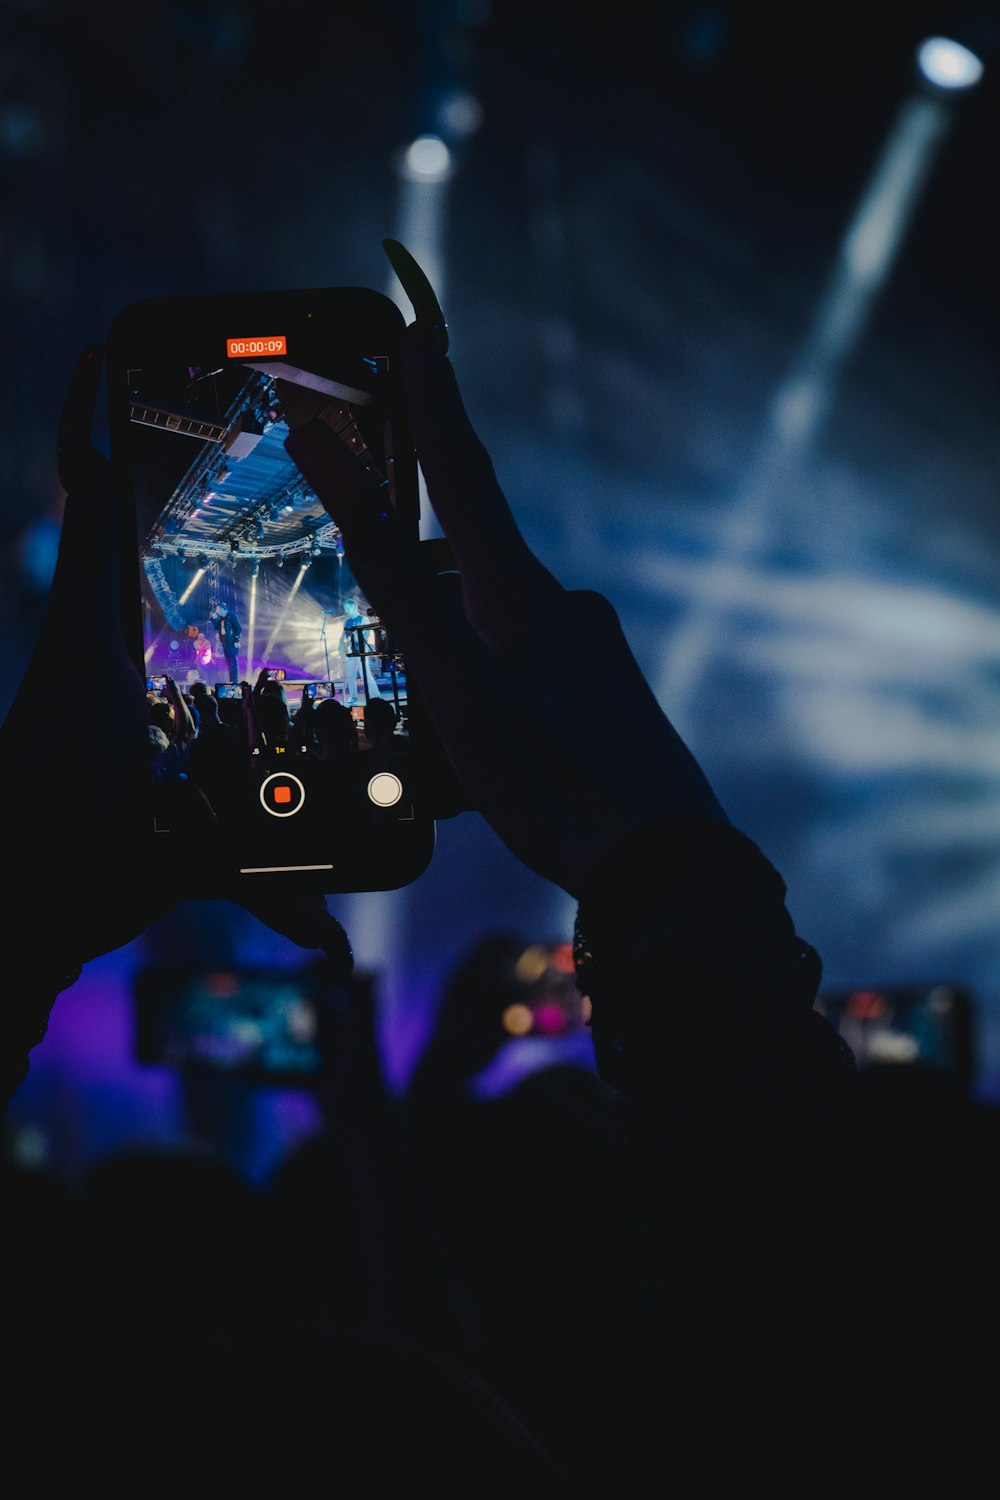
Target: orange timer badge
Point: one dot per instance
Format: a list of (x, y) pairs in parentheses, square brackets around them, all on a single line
[(243, 348)]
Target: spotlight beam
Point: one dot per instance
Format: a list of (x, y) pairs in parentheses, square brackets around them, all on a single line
[(867, 253), (279, 622), (196, 579), (421, 212), (251, 624)]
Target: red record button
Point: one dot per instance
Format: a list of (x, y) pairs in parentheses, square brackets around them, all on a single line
[(282, 794)]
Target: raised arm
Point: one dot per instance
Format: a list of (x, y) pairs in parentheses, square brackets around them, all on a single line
[(702, 989)]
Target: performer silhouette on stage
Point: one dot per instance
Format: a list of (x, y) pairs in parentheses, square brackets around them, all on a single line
[(229, 631), (358, 674)]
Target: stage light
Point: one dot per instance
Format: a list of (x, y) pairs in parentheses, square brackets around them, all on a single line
[(948, 65), (517, 1019), (317, 550), (427, 159), (255, 568), (532, 964), (461, 115), (191, 586), (550, 1018)]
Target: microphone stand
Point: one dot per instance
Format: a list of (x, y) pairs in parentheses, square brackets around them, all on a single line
[(326, 644)]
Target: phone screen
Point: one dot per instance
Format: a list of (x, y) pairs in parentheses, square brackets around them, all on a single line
[(238, 569), (259, 1023), (930, 1025)]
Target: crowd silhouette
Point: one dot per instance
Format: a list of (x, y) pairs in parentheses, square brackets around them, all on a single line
[(210, 753)]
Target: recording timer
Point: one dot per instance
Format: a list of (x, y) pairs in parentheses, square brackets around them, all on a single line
[(241, 348)]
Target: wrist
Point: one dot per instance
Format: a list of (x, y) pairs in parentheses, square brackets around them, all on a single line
[(705, 932)]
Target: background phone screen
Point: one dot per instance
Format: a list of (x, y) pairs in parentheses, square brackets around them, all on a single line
[(261, 1024)]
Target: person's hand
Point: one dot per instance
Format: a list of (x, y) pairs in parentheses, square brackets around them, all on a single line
[(81, 778), (184, 726), (539, 763)]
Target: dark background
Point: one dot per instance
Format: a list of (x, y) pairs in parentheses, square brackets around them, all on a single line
[(634, 243)]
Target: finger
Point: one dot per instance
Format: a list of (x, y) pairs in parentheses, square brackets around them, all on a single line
[(461, 482), (388, 564), (491, 553), (496, 565), (423, 298), (421, 609), (74, 445)]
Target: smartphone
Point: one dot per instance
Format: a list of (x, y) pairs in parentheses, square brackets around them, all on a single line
[(228, 690), (930, 1025), (277, 674), (319, 690), (155, 684), (258, 1023), (229, 557)]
